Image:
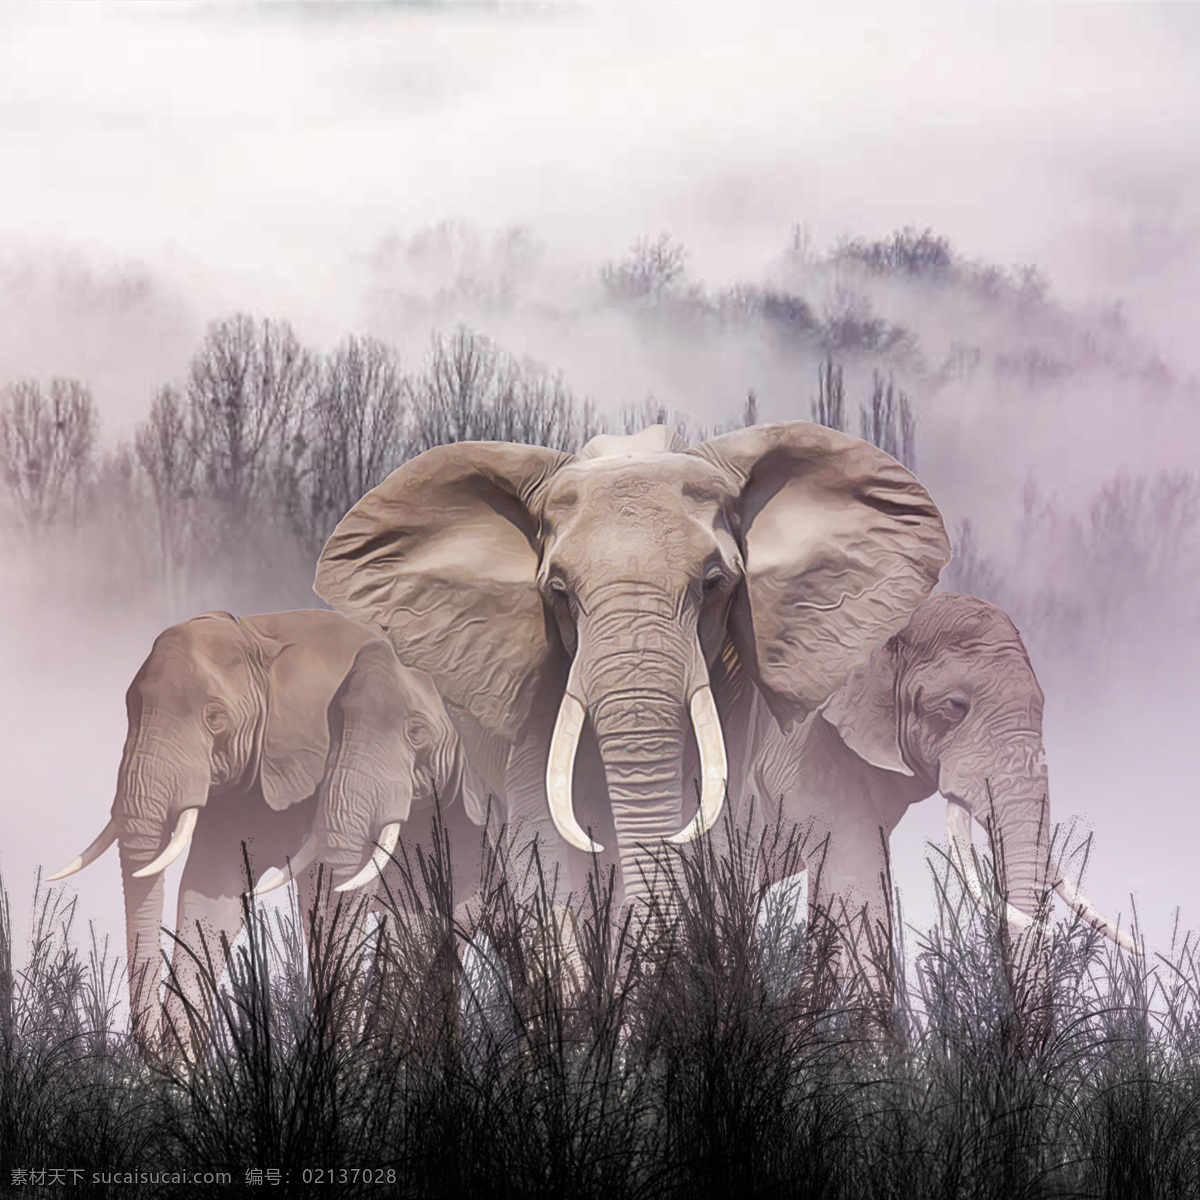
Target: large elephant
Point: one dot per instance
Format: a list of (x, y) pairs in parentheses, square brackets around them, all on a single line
[(227, 743), (950, 704), (607, 601)]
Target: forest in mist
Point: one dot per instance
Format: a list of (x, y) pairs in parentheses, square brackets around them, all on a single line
[(239, 467)]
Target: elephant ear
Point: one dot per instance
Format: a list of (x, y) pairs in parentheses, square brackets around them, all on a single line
[(441, 559), (302, 677), (864, 712), (840, 543)]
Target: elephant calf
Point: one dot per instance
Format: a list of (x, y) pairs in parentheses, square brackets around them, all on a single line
[(949, 704), (229, 734)]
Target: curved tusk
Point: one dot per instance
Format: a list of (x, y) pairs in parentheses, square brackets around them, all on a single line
[(560, 767), (714, 766), (388, 836), (1070, 892), (294, 866), (108, 835), (958, 826), (184, 828)]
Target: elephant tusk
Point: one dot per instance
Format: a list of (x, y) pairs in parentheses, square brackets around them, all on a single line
[(714, 766), (560, 767), (958, 826), (108, 835), (184, 828), (1070, 892), (388, 836), (294, 866)]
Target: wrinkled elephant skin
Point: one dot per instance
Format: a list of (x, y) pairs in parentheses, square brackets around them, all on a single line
[(950, 704), (624, 606)]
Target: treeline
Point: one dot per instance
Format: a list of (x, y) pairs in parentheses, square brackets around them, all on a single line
[(238, 473)]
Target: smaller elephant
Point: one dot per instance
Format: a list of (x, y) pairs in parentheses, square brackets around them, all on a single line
[(393, 750), (227, 744), (949, 704), (393, 753)]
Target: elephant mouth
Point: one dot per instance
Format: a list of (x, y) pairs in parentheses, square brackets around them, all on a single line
[(560, 766)]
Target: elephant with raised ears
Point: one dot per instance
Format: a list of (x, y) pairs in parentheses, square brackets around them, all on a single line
[(949, 704), (226, 744), (630, 602)]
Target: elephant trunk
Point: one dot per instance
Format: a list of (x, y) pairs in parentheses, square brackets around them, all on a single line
[(143, 941), (1021, 841), (637, 697), (1013, 804), (366, 793), (158, 780)]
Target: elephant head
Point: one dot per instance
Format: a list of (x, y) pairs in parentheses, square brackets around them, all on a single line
[(220, 707), (637, 585), (392, 750), (951, 704)]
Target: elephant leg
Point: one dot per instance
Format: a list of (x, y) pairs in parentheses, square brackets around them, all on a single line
[(849, 932), (209, 918), (211, 913)]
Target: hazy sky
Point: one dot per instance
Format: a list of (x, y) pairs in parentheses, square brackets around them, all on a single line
[(251, 157)]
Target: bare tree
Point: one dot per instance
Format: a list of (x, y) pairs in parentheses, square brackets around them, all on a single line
[(654, 266), (887, 421), (451, 400), (47, 443), (167, 451), (829, 408), (248, 393), (652, 412), (538, 409), (473, 391), (750, 412), (358, 435), (1139, 546)]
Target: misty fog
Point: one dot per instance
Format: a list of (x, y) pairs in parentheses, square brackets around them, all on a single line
[(653, 209)]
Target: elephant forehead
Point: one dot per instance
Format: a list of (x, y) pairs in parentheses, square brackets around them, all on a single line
[(673, 483)]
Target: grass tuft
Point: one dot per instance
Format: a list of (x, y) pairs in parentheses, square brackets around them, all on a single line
[(505, 1048)]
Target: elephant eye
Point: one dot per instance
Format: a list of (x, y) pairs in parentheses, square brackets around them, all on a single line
[(214, 717), (556, 583), (957, 705), (714, 577), (418, 732)]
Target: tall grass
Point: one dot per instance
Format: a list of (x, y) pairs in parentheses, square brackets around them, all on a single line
[(667, 1051)]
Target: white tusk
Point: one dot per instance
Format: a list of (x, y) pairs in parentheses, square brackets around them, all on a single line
[(958, 826), (1068, 890), (560, 767), (286, 874), (714, 767), (388, 836), (108, 835), (184, 828)]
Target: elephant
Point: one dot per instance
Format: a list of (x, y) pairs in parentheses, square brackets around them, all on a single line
[(949, 704), (393, 753), (611, 605), (227, 743), (392, 750)]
